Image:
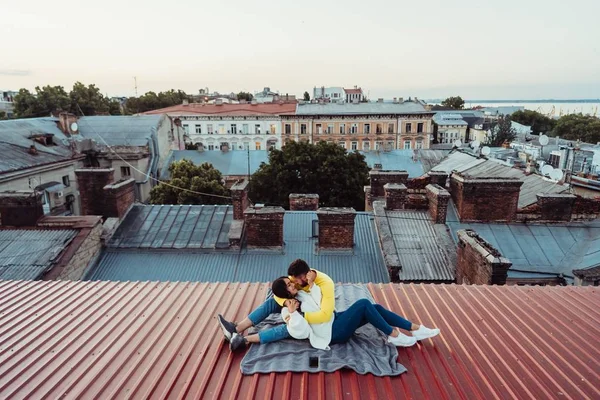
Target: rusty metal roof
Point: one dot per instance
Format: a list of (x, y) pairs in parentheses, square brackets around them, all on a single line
[(76, 339)]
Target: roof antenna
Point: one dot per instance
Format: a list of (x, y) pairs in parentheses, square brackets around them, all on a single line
[(135, 85)]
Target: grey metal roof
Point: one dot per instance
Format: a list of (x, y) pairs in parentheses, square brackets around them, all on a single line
[(14, 158), (363, 264), (481, 167), (425, 250), (395, 160), (26, 254), (119, 130), (449, 118), (19, 132), (360, 108), (228, 163), (431, 157), (538, 248)]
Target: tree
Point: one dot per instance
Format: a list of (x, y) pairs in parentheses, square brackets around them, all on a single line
[(245, 96), (455, 102), (197, 178), (152, 101), (46, 100), (326, 169), (578, 127), (88, 100), (306, 96), (114, 107), (538, 122), (502, 132), (3, 115)]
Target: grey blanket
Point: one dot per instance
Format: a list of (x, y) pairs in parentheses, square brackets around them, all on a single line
[(367, 352)]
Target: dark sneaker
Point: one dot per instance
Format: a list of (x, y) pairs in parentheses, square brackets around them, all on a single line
[(227, 327), (237, 341)]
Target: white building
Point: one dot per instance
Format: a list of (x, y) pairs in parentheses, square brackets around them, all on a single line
[(244, 126), (334, 93)]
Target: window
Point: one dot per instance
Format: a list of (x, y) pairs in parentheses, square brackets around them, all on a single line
[(407, 145), (66, 181), (420, 127), (221, 129), (257, 129), (342, 129), (354, 128), (378, 145), (342, 143), (125, 172), (390, 145), (408, 127), (366, 146), (233, 146), (186, 129), (209, 128), (367, 128), (419, 144), (330, 128), (390, 128), (70, 199), (379, 128), (257, 145), (354, 145), (303, 129), (247, 146), (234, 129), (198, 129), (288, 129), (319, 129), (273, 129), (224, 145), (211, 147), (245, 129)]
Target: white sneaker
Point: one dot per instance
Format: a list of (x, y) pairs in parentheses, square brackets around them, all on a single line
[(402, 340), (425, 333)]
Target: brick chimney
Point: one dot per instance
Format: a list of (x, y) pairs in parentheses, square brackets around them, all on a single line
[(378, 179), (555, 207), (118, 197), (304, 202), (264, 226), (20, 208), (91, 183), (336, 227), (438, 199), (438, 178), (479, 263), (395, 196), (239, 195), (65, 120), (485, 199)]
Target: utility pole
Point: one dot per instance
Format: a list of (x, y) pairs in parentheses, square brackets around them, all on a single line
[(135, 85)]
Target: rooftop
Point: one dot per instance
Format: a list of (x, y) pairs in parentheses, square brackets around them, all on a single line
[(443, 118), (408, 107), (145, 340), (119, 130), (190, 243), (228, 109), (230, 163), (404, 160), (16, 158)]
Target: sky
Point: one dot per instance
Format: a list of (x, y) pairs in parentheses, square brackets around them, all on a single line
[(510, 49)]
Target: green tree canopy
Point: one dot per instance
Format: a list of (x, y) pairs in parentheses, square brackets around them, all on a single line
[(45, 101), (245, 96), (538, 122), (153, 101), (198, 178), (502, 132), (306, 96), (326, 169), (578, 126), (88, 100), (454, 102)]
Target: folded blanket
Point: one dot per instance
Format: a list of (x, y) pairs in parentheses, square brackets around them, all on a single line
[(366, 352)]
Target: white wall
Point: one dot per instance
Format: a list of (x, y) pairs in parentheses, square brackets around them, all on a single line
[(334, 93)]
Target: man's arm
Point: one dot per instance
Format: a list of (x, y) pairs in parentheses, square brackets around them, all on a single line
[(327, 301)]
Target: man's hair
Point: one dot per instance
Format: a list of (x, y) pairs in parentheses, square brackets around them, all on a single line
[(298, 267), (279, 288)]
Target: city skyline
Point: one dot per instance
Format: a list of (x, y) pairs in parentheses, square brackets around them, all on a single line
[(433, 50)]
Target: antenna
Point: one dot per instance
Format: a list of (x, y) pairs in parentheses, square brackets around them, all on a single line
[(135, 85), (486, 151), (548, 169), (457, 143), (556, 174), (475, 144), (544, 140)]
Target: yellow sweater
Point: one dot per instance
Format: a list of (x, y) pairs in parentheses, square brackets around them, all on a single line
[(326, 285)]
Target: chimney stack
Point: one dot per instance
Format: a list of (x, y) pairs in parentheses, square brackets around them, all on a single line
[(239, 195), (556, 207), (479, 263), (336, 227), (395, 196), (101, 195), (264, 227), (20, 208), (65, 120), (118, 197), (438, 199), (304, 202)]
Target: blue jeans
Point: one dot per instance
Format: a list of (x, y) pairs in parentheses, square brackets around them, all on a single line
[(267, 308), (361, 313)]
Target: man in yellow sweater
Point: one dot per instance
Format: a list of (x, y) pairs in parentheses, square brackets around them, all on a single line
[(302, 277)]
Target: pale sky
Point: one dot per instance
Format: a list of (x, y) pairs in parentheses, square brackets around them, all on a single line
[(509, 49)]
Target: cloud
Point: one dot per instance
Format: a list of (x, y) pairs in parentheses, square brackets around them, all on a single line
[(15, 72)]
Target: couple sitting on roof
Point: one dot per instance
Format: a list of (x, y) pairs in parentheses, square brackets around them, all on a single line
[(306, 301)]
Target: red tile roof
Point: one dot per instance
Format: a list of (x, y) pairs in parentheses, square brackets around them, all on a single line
[(158, 340), (353, 91), (228, 109)]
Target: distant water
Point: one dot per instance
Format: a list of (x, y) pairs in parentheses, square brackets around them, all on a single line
[(547, 107)]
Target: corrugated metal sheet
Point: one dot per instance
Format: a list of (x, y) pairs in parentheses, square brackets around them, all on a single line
[(144, 340), (408, 107), (15, 158), (484, 168), (19, 132), (421, 250), (26, 254), (119, 130), (363, 264)]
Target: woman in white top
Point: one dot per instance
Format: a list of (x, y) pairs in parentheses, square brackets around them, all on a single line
[(344, 323)]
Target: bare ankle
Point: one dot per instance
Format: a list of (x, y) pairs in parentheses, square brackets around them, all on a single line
[(394, 333)]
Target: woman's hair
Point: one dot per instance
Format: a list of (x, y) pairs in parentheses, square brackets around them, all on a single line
[(279, 288), (298, 267)]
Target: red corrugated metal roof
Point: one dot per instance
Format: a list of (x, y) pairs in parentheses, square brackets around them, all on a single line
[(228, 109), (160, 340)]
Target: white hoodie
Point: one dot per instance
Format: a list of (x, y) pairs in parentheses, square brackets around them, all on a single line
[(319, 335)]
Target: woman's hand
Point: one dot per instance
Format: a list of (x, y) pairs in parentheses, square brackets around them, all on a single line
[(292, 305)]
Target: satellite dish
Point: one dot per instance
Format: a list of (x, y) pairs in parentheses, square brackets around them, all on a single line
[(475, 144), (547, 169), (74, 127), (485, 150), (457, 143), (544, 140), (556, 174)]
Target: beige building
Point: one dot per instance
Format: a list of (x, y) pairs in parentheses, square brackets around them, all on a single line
[(361, 126), (450, 128)]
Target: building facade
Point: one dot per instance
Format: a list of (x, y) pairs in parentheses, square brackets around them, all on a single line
[(334, 93), (449, 127)]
